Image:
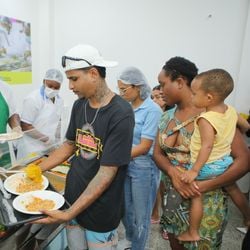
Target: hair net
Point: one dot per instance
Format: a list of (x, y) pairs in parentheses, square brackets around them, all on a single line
[(54, 75), (134, 76)]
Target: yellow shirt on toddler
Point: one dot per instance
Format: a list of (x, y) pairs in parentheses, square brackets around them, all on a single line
[(224, 124)]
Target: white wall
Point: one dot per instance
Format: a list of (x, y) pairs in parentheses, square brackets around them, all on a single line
[(143, 33), (146, 33), (242, 87)]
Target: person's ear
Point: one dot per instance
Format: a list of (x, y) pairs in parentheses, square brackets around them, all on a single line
[(93, 73), (210, 97), (138, 88), (180, 82)]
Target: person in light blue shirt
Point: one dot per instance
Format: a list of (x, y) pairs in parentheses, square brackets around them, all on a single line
[(142, 177), (146, 120)]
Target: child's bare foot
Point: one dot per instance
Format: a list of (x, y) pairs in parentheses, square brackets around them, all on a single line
[(187, 236)]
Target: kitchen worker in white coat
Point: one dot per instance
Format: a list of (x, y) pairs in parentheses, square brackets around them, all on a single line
[(41, 116)]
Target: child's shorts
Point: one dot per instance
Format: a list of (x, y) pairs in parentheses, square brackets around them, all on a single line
[(215, 168)]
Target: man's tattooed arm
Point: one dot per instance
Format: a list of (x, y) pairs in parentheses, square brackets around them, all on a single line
[(58, 156), (94, 190)]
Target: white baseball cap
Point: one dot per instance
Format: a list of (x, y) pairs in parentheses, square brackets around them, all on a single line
[(83, 56)]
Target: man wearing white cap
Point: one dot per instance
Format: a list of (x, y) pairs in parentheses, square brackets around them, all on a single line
[(100, 137), (41, 116)]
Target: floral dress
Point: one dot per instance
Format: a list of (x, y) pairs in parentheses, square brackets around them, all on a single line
[(215, 205)]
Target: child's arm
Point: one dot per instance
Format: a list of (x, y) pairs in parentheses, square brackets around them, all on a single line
[(207, 134), (242, 124)]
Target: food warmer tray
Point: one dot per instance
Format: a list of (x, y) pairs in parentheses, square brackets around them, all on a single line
[(12, 217)]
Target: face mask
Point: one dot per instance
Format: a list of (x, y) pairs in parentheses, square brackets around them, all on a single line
[(51, 93)]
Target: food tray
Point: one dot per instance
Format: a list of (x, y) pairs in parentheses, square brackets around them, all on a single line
[(56, 180)]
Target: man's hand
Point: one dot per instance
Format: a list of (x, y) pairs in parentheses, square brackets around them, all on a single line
[(186, 190), (189, 176), (55, 216)]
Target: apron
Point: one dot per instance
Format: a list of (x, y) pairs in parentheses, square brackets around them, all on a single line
[(47, 122), (5, 160)]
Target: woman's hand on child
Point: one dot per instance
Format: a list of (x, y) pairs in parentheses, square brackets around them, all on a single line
[(186, 190), (189, 176)]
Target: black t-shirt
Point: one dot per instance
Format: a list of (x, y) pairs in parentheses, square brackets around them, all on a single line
[(109, 145), (246, 241)]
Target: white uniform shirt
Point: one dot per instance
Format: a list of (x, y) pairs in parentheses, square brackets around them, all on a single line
[(35, 102), (44, 116)]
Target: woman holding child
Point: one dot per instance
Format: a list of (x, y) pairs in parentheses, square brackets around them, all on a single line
[(175, 131)]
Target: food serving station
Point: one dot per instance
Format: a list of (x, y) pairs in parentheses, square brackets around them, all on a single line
[(16, 231)]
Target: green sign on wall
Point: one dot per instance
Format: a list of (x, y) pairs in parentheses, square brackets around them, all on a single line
[(15, 51)]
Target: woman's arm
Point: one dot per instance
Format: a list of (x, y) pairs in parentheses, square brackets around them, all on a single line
[(142, 148), (33, 132), (239, 167)]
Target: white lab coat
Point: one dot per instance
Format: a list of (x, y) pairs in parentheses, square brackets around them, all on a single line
[(45, 116)]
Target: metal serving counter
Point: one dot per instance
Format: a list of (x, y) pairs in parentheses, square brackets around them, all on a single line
[(20, 235), (33, 236), (24, 236)]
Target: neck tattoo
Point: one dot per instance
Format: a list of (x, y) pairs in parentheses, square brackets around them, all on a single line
[(88, 125)]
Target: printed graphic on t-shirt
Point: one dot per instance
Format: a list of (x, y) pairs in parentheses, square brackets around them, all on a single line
[(88, 145)]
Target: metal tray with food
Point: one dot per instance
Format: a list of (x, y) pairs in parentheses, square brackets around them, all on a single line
[(56, 180), (21, 214)]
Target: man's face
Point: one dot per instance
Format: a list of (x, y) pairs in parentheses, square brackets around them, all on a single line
[(81, 82)]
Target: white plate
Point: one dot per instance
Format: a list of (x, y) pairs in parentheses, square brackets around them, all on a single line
[(10, 136), (22, 200), (11, 183)]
